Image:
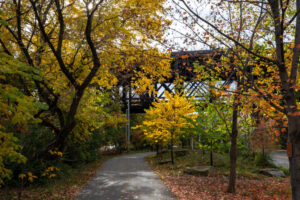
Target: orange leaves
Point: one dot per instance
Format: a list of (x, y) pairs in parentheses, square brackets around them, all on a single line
[(277, 132), (294, 114), (187, 187), (184, 56), (26, 130)]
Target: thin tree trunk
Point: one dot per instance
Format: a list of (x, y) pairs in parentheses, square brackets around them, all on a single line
[(172, 154), (211, 155), (233, 150), (21, 190)]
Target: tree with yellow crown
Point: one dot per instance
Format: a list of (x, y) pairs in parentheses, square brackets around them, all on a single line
[(165, 120)]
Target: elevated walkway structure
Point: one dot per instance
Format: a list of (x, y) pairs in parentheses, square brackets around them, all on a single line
[(183, 67)]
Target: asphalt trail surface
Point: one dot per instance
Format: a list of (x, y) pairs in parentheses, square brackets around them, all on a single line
[(123, 178), (280, 159)]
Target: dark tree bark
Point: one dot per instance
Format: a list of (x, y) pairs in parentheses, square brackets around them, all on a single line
[(60, 140), (233, 148), (66, 121), (294, 141), (289, 93), (211, 154), (172, 153)]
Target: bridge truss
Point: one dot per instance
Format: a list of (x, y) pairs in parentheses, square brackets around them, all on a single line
[(182, 66)]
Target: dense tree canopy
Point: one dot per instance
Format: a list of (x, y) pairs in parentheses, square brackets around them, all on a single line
[(65, 63), (60, 59), (165, 120)]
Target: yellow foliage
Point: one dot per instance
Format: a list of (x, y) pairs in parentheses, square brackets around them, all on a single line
[(165, 118), (123, 32), (22, 176), (49, 172), (58, 153), (52, 175), (9, 150), (31, 177)]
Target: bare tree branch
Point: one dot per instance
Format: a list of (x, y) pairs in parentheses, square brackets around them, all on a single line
[(227, 36), (57, 54)]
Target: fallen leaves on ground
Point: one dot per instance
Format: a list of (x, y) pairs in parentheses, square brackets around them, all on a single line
[(188, 187)]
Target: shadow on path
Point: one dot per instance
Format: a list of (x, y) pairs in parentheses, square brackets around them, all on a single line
[(125, 177)]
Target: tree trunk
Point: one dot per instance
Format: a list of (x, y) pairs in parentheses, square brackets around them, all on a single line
[(59, 142), (211, 155), (263, 151), (172, 153), (263, 144), (233, 153), (294, 157), (192, 143), (294, 116)]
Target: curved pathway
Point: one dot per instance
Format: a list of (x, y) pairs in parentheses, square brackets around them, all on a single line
[(125, 177)]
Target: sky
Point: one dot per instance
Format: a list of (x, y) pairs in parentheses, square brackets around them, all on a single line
[(178, 27)]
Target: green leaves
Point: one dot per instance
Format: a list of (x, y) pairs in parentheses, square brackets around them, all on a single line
[(41, 105), (9, 151), (11, 66), (3, 22)]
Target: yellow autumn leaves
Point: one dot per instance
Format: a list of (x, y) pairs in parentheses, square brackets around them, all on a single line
[(29, 176), (57, 153), (124, 32), (165, 118), (50, 172)]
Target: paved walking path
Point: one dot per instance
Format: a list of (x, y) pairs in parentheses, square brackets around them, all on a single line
[(280, 159), (123, 178)]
